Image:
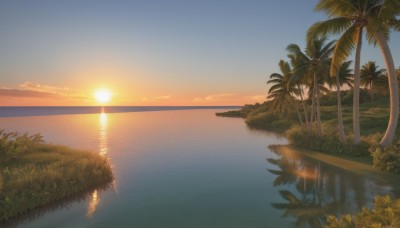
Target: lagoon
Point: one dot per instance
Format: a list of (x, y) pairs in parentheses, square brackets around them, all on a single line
[(189, 168)]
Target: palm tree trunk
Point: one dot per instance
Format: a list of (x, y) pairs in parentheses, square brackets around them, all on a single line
[(304, 109), (356, 91), (312, 107), (319, 133), (298, 114), (342, 137), (393, 89)]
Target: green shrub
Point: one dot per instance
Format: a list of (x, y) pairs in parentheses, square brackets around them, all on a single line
[(299, 137), (386, 213), (47, 174), (14, 143), (386, 159)]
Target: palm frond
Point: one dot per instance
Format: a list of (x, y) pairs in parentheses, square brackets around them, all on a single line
[(331, 26), (344, 47)]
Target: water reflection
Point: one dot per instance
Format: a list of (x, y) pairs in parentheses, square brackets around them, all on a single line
[(312, 190), (103, 150), (94, 201), (103, 141)]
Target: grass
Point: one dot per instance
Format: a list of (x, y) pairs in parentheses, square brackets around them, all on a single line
[(45, 174), (374, 117)]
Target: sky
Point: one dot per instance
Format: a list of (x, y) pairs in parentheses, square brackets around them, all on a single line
[(153, 52)]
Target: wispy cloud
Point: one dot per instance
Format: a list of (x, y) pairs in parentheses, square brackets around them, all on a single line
[(34, 86), (257, 98), (166, 97), (158, 98), (213, 97), (37, 90)]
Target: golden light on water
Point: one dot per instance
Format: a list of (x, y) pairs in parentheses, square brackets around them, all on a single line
[(103, 141), (103, 150), (94, 201)]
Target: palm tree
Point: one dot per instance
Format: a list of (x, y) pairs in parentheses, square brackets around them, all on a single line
[(350, 18), (314, 60), (343, 77), (283, 90), (369, 75)]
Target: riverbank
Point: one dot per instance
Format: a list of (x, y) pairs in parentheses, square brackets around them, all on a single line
[(48, 173), (359, 165), (374, 116)]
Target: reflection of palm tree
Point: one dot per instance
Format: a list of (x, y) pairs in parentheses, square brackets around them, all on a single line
[(287, 174), (310, 208), (305, 210)]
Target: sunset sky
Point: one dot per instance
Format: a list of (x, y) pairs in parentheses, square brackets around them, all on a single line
[(165, 52)]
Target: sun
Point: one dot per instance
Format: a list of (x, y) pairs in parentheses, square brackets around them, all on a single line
[(102, 96)]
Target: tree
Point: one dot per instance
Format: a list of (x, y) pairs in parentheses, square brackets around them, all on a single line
[(370, 75), (283, 89), (343, 77), (350, 18), (314, 61)]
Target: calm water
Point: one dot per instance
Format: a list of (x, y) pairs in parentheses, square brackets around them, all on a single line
[(189, 168)]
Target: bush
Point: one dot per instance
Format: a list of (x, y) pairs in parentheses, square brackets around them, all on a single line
[(299, 137), (13, 143), (46, 174), (385, 214), (270, 121), (386, 159)]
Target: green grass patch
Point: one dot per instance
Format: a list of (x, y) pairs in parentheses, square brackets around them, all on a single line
[(45, 173)]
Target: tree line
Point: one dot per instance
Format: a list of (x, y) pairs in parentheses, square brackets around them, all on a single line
[(323, 64)]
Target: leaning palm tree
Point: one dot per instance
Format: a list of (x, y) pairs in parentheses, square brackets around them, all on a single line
[(283, 89), (314, 60), (350, 18), (369, 76)]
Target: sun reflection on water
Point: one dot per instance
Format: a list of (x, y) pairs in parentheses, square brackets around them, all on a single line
[(103, 142), (94, 201), (103, 150)]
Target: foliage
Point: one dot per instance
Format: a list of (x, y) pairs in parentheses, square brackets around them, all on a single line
[(243, 112), (324, 143), (386, 159), (14, 143), (270, 121), (386, 213), (46, 174)]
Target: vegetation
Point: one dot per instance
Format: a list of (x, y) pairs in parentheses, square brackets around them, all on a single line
[(366, 116), (243, 112), (350, 19), (34, 174), (386, 213)]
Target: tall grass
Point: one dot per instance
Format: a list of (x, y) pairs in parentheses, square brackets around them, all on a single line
[(46, 173)]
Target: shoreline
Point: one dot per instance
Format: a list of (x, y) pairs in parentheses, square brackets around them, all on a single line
[(344, 163)]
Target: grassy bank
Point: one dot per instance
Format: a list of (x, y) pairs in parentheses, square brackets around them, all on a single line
[(40, 173), (374, 116)]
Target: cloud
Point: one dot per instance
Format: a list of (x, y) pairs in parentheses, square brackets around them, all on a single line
[(163, 97), (147, 99), (34, 86), (213, 97), (36, 90), (258, 98)]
